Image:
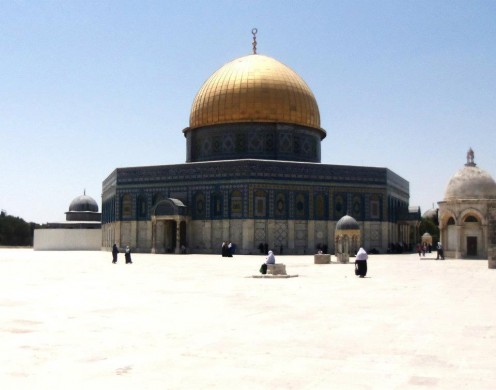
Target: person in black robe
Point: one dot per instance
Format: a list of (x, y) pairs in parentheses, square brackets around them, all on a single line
[(225, 249), (115, 251), (361, 263)]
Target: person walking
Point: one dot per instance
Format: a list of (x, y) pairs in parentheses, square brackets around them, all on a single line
[(361, 263), (115, 251), (440, 251)]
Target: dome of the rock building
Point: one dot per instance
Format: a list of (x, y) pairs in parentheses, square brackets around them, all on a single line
[(470, 182), (347, 223), (83, 203), (255, 88)]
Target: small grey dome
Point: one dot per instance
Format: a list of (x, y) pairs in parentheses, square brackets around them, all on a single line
[(347, 223), (84, 203), (430, 214)]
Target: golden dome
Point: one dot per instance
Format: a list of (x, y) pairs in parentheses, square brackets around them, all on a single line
[(255, 88)]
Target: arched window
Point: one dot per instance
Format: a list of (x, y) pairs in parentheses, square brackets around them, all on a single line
[(356, 207), (199, 205), (471, 218), (451, 221), (375, 212), (320, 206), (141, 207), (126, 206), (236, 204), (280, 205), (260, 206), (217, 205), (301, 206), (339, 207)]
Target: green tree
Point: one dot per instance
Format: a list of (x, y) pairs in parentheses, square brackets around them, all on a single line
[(14, 231), (429, 226)]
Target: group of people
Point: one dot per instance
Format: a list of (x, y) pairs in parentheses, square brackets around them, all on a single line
[(127, 254), (360, 263), (422, 249), (227, 249)]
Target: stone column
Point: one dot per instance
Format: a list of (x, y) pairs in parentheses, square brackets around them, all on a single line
[(491, 237), (154, 235), (291, 236), (458, 253), (311, 244), (178, 236)]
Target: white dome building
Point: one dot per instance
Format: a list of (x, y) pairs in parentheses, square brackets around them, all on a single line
[(464, 213)]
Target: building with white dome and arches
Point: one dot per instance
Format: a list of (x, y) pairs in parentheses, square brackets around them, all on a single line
[(467, 214)]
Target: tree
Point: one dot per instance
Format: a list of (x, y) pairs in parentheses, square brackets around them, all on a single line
[(14, 231), (427, 225)]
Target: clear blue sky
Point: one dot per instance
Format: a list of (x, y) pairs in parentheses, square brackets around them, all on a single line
[(89, 86)]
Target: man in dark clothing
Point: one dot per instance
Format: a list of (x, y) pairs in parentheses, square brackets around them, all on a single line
[(115, 250)]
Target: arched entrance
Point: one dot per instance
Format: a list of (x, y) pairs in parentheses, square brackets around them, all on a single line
[(472, 231), (471, 246), (169, 222)]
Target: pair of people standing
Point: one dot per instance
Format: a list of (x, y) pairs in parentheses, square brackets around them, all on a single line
[(127, 254), (227, 249)]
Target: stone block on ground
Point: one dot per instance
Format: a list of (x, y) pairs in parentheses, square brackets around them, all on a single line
[(276, 269), (322, 259)]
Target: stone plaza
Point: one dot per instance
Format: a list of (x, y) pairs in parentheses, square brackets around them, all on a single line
[(75, 320)]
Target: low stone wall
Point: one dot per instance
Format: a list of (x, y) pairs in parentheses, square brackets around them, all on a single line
[(67, 239)]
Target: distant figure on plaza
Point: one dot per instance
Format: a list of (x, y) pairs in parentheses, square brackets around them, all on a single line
[(230, 249), (419, 249), (271, 259), (115, 251), (225, 249), (440, 251), (361, 263), (127, 255)]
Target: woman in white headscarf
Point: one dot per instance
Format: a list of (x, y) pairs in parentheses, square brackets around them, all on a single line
[(361, 263), (127, 255), (271, 259)]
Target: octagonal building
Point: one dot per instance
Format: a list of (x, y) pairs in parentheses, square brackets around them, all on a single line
[(252, 176)]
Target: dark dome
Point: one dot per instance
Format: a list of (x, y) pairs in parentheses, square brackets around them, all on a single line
[(347, 223), (84, 203)]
